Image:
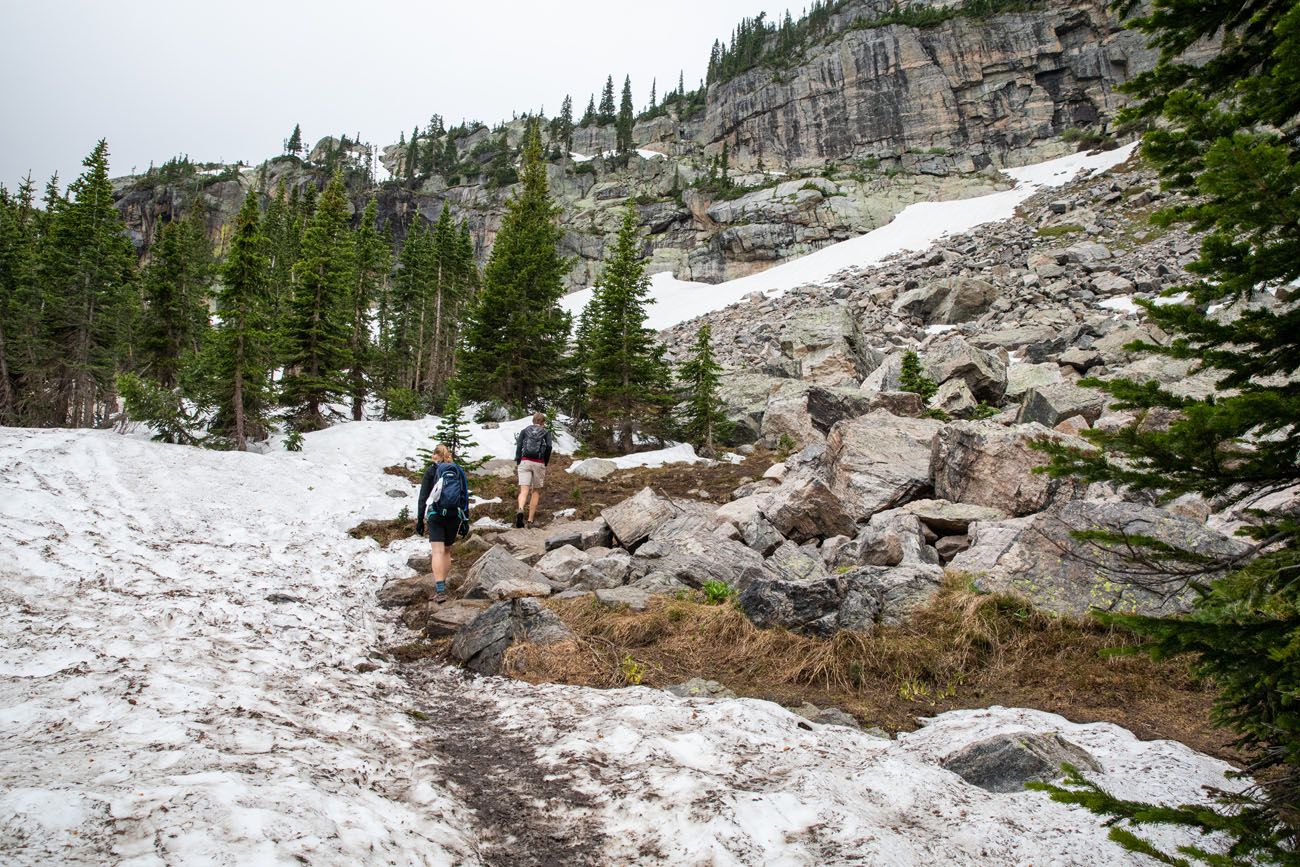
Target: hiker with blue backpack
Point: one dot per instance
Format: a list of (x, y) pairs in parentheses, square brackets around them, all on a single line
[(532, 454), (445, 490)]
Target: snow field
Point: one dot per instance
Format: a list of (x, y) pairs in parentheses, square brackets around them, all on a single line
[(917, 227)]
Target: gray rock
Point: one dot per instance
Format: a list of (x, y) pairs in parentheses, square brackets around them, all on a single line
[(698, 687), (796, 563), (829, 405), (883, 595), (759, 534), (947, 301), (399, 592), (1022, 377), (448, 618), (879, 461), (633, 598), (983, 372), (804, 508), (582, 535), (593, 469), (954, 398), (398, 495), (1051, 404), (890, 538), (1036, 558), (985, 464), (951, 518), (632, 520), (421, 563), (950, 546), (1004, 763), (903, 403), (560, 564), (495, 567), (857, 600), (517, 588), (827, 344), (481, 645), (612, 570), (696, 558)]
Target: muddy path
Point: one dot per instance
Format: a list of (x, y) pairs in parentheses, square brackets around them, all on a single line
[(527, 815)]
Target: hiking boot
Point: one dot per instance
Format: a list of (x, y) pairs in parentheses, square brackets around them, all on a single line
[(519, 520), (440, 598), (530, 525)]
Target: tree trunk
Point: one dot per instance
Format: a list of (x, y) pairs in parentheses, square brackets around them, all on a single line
[(6, 390)]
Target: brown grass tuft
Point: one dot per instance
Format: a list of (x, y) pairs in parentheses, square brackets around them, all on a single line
[(963, 649)]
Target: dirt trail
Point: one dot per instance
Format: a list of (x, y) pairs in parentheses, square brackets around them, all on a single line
[(527, 815)]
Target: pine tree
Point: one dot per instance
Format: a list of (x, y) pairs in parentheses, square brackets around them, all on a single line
[(1225, 132), (564, 128), (242, 349), (453, 428), (294, 144), (623, 126), (175, 289), (704, 423), (629, 388), (515, 333), (653, 98), (606, 113), (412, 161), (22, 343), (589, 116), (86, 271), (411, 305), (319, 326), (372, 260)]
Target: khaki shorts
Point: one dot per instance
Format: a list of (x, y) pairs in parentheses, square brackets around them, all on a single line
[(532, 475)]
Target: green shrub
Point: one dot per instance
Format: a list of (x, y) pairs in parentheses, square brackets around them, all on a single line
[(717, 592), (913, 379), (160, 409), (404, 404), (1059, 230), (293, 442)]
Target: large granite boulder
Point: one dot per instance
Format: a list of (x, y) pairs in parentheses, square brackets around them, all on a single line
[(890, 538), (1022, 377), (1052, 404), (498, 566), (400, 592), (612, 570), (593, 469), (796, 562), (804, 508), (986, 464), (448, 618), (945, 517), (632, 520), (560, 564), (947, 301), (982, 371), (826, 406), (482, 644), (1037, 558), (879, 461), (827, 344), (695, 558), (582, 535)]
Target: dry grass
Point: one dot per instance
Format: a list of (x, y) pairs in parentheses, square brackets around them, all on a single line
[(964, 649)]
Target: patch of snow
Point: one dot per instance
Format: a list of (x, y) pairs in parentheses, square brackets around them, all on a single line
[(732, 458), (681, 453), (1169, 300), (1121, 304), (579, 158), (916, 228), (938, 328)]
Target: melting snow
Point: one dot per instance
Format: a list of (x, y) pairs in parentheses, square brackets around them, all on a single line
[(1121, 304), (916, 228)]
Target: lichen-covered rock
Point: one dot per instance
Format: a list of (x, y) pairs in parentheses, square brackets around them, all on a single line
[(982, 371), (632, 520), (1037, 558), (696, 558), (560, 564), (804, 508), (495, 567), (1051, 404), (857, 600)]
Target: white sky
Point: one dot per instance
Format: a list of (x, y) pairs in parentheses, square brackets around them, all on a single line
[(227, 81)]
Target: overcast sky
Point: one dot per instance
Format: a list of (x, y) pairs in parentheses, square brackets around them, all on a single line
[(228, 80)]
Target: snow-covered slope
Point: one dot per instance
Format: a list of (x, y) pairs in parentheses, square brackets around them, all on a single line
[(917, 227), (187, 678)]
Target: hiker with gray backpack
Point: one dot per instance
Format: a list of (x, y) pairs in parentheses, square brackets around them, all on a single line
[(445, 492), (532, 454)]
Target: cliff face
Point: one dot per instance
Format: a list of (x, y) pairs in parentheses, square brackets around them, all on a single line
[(978, 90), (865, 122)]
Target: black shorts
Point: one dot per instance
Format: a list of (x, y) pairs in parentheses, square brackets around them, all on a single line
[(443, 528)]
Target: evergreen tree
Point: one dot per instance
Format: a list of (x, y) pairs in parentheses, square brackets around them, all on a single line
[(653, 99), (175, 290), (564, 127), (515, 333), (623, 126), (412, 160), (411, 306), (294, 144), (282, 229), (372, 260), (319, 327), (705, 423), (242, 350), (449, 158), (86, 271), (589, 116), (22, 343), (629, 378), (1225, 133), (606, 113), (453, 428)]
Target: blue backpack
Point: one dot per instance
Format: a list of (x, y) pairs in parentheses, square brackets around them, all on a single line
[(450, 494)]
